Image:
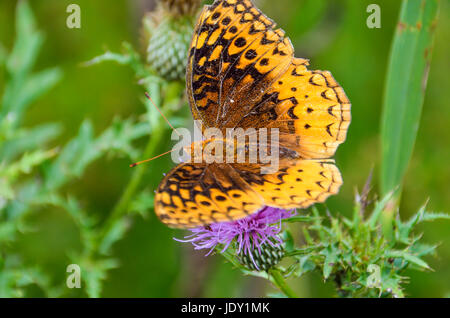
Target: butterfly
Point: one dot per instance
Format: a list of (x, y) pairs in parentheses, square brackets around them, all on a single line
[(242, 73)]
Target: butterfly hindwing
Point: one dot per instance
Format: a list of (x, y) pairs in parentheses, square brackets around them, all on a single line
[(193, 195), (309, 108), (297, 184)]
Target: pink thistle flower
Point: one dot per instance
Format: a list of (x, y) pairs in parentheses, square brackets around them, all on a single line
[(249, 233)]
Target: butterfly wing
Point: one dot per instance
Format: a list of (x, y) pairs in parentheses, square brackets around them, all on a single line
[(193, 195), (236, 55), (297, 184), (242, 73), (309, 108)]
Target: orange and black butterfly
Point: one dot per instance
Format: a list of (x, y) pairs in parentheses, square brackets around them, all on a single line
[(242, 73)]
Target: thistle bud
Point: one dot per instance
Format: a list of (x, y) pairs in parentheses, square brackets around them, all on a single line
[(168, 32), (264, 258)]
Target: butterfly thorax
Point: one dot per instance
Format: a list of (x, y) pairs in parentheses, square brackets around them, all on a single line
[(227, 150)]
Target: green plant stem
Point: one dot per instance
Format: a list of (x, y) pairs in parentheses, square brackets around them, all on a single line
[(133, 185), (158, 131), (280, 282)]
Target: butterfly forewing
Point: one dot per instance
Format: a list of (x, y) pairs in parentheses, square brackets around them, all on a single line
[(235, 56), (309, 108)]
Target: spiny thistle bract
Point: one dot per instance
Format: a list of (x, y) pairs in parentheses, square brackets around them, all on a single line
[(265, 257), (356, 255), (167, 34)]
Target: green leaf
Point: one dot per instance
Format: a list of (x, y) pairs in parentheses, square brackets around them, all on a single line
[(377, 211), (6, 191), (391, 284), (26, 163), (28, 41), (303, 251), (408, 257), (404, 229), (23, 88), (7, 229), (35, 86), (117, 139), (305, 265), (74, 158), (300, 218), (130, 58), (422, 249), (288, 240), (407, 74), (431, 216), (142, 203), (84, 149), (331, 258), (116, 233), (94, 273), (109, 57), (24, 139)]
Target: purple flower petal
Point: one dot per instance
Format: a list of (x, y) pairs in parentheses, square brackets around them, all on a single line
[(249, 233)]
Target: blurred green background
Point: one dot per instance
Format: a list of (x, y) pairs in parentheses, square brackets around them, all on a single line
[(332, 34)]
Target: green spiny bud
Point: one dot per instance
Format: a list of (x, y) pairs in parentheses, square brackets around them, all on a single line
[(168, 33), (264, 258)]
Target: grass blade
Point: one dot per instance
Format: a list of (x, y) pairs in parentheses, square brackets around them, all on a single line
[(405, 88)]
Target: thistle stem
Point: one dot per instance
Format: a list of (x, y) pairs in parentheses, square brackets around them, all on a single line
[(280, 282), (158, 132), (133, 185)]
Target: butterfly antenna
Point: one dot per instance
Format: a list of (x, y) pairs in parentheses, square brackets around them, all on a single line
[(147, 160), (165, 118)]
